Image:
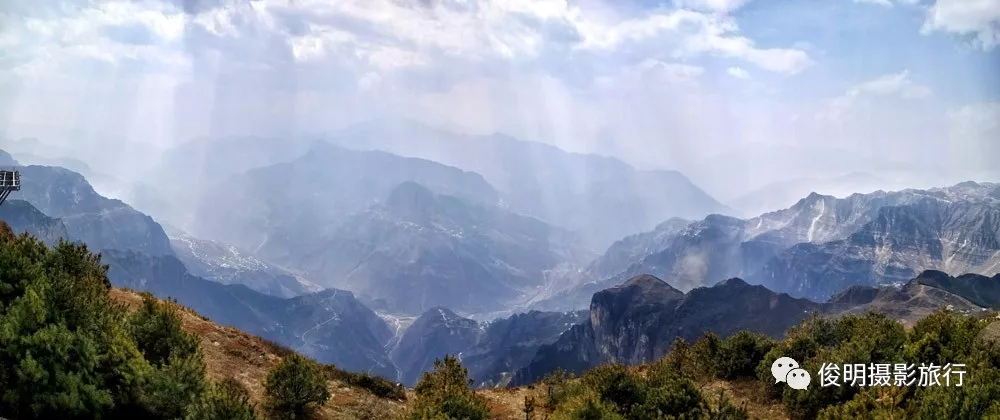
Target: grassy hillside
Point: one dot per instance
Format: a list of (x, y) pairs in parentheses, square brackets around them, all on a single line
[(72, 346)]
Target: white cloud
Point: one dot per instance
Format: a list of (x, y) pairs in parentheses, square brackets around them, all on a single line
[(595, 75), (738, 73), (898, 84), (979, 18), (890, 84)]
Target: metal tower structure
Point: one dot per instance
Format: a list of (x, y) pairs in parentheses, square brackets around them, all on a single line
[(10, 181)]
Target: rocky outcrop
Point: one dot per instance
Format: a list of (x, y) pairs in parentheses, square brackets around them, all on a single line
[(492, 351), (638, 321)]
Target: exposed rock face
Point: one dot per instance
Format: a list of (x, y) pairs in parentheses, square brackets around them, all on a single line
[(818, 246), (100, 222), (491, 351), (420, 250), (432, 336), (638, 321), (900, 242), (330, 326), (23, 217)]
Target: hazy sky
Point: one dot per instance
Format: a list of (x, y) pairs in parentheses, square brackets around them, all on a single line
[(656, 82)]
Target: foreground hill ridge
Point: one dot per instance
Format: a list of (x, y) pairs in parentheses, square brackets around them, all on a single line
[(229, 353)]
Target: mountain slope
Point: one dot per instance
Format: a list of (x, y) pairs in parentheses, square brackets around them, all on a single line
[(602, 197), (227, 264), (283, 210), (637, 322), (721, 247), (100, 222), (23, 217), (330, 326), (491, 351), (420, 250), (954, 237), (6, 160)]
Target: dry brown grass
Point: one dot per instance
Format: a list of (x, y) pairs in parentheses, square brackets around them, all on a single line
[(231, 353)]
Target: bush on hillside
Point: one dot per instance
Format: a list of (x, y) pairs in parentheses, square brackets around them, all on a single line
[(739, 355), (228, 400), (444, 393), (376, 385), (616, 388), (295, 389)]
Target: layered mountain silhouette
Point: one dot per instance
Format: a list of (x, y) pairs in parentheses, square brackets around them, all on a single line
[(100, 222), (901, 241), (603, 198), (420, 250), (282, 211), (331, 326), (638, 321), (818, 246)]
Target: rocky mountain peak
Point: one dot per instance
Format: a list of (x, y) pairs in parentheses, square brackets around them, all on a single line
[(638, 290)]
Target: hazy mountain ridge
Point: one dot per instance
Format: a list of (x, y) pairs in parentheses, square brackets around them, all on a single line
[(21, 216), (420, 250), (100, 222), (785, 193), (283, 210), (955, 237), (6, 160), (722, 247), (602, 197), (227, 264)]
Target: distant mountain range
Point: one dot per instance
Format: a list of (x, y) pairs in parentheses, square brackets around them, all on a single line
[(816, 247), (601, 197), (414, 237), (786, 193), (283, 211), (420, 250), (100, 222)]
